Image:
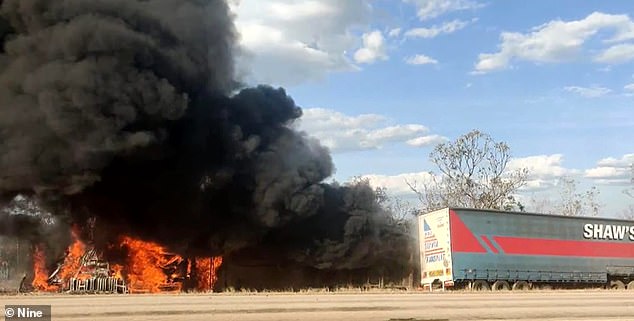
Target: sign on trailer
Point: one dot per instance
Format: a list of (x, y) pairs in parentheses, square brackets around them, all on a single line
[(435, 249)]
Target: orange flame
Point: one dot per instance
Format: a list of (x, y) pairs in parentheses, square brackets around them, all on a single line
[(148, 268), (206, 272), (71, 264), (40, 278), (146, 261), (72, 261), (116, 271)]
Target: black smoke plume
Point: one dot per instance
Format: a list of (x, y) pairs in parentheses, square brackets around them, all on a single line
[(128, 111), (23, 218)]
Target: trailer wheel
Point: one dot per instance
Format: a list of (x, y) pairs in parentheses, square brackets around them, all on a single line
[(480, 285), (617, 285), (545, 286), (630, 286), (521, 286), (501, 285)]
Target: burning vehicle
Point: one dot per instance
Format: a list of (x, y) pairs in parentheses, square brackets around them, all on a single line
[(147, 268), (130, 112)]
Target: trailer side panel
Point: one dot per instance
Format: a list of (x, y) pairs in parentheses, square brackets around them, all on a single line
[(514, 246)]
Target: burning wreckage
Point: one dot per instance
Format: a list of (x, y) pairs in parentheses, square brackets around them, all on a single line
[(129, 112), (149, 269), (93, 275)]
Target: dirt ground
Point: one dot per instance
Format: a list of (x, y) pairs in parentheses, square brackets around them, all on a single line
[(554, 305)]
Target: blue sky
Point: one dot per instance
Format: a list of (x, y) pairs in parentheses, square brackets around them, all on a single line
[(383, 81)]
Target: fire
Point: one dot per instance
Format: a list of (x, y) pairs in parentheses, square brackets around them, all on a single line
[(40, 278), (206, 272), (147, 268), (116, 271), (146, 264), (72, 261)]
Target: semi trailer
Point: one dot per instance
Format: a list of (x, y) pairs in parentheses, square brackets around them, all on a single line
[(499, 250)]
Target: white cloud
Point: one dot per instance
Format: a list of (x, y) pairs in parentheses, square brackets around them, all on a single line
[(588, 92), (544, 173), (542, 166), (277, 46), (544, 170), (394, 32), (612, 170), (420, 60), (606, 172), (426, 140), (616, 54), (343, 133), (397, 184), (555, 41), (629, 87), (373, 48), (428, 9), (445, 28), (624, 161), (300, 10)]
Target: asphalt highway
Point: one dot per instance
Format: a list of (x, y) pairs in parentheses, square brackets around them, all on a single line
[(548, 305)]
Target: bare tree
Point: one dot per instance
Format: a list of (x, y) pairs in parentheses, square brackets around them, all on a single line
[(473, 173), (630, 191), (430, 194), (539, 204), (628, 213), (400, 210), (574, 203), (570, 202)]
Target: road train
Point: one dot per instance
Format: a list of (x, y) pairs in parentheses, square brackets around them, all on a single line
[(497, 250)]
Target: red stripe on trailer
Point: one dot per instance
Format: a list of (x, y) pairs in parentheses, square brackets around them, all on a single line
[(488, 243), (462, 239), (553, 247), (435, 251)]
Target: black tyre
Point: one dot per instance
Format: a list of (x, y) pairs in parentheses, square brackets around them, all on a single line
[(480, 285), (617, 285), (500, 285), (545, 286), (630, 286), (521, 286)]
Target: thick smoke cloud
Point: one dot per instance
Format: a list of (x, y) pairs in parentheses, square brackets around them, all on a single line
[(85, 81), (24, 219), (128, 111)]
